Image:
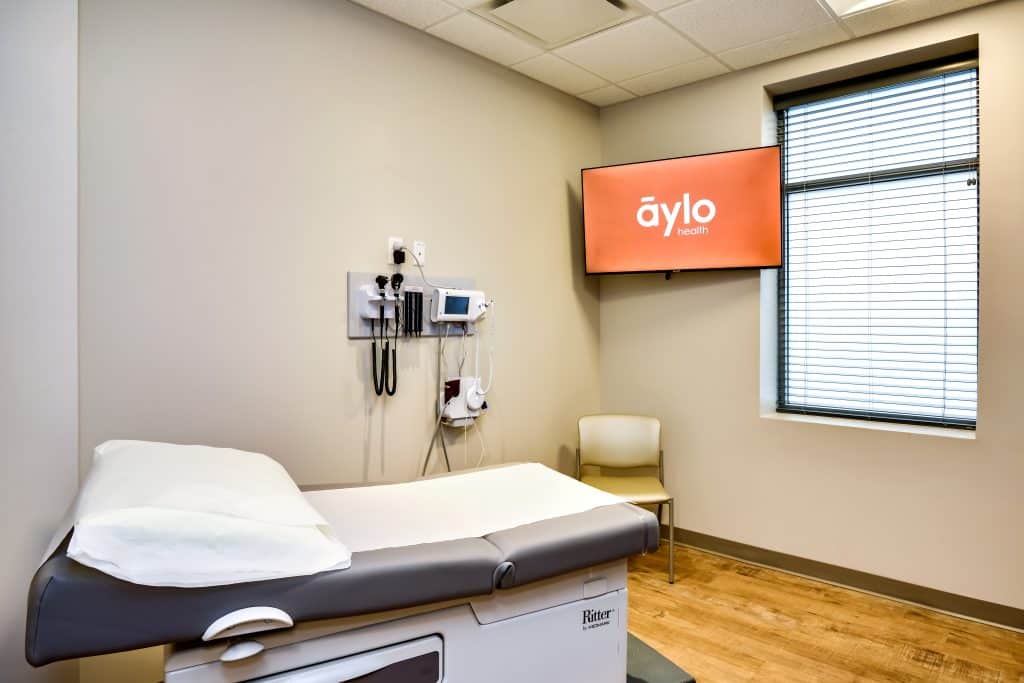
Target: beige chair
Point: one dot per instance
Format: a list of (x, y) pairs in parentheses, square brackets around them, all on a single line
[(627, 442)]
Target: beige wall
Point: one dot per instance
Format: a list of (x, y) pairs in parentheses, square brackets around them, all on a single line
[(239, 156), (941, 512), (38, 371)]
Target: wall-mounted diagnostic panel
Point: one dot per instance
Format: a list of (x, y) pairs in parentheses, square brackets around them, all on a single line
[(422, 310), (393, 309)]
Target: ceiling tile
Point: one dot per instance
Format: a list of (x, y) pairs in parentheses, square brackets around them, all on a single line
[(418, 13), (610, 94), (630, 49), (674, 76), (903, 12), (484, 38), (658, 5), (784, 46), (720, 25), (558, 73), (556, 22), (841, 7), (467, 4)]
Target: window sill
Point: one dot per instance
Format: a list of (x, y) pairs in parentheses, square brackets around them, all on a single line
[(923, 430)]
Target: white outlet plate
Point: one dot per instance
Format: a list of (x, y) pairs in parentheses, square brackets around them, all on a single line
[(394, 243), (420, 250)]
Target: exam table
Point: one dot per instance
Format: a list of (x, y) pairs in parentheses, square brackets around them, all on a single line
[(538, 601)]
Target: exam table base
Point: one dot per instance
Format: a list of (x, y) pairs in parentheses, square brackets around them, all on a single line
[(569, 628)]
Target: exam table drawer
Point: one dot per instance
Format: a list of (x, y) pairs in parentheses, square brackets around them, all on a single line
[(417, 661)]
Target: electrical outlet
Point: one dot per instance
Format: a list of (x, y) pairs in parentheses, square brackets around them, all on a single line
[(393, 244), (419, 250)]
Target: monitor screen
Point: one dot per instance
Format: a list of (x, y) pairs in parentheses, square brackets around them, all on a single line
[(456, 305), (711, 211)]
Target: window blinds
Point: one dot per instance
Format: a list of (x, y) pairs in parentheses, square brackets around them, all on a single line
[(878, 295)]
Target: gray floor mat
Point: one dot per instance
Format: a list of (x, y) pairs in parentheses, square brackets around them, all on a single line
[(646, 665)]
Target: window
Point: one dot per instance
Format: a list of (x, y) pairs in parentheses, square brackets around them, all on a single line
[(878, 294)]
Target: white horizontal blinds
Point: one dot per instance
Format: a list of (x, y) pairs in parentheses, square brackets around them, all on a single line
[(879, 291)]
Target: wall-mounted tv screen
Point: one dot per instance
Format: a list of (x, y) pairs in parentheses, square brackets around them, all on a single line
[(704, 212)]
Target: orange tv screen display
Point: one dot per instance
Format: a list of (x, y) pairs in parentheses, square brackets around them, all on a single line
[(703, 212)]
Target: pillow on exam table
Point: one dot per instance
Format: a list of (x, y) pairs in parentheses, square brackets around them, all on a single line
[(167, 515)]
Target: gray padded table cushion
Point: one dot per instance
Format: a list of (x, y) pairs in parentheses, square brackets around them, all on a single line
[(556, 546), (77, 611)]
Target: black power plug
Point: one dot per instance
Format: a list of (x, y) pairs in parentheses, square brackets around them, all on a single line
[(399, 256)]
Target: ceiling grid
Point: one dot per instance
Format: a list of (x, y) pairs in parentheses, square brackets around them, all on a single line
[(611, 51)]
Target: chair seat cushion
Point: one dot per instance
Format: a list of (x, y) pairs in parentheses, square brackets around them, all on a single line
[(637, 490)]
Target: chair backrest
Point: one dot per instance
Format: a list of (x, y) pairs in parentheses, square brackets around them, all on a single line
[(620, 441)]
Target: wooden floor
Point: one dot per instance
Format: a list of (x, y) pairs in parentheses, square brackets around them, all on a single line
[(726, 621)]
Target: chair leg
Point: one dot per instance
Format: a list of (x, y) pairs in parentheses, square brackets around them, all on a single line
[(671, 540)]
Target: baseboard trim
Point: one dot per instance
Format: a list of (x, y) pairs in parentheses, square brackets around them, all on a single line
[(973, 608)]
